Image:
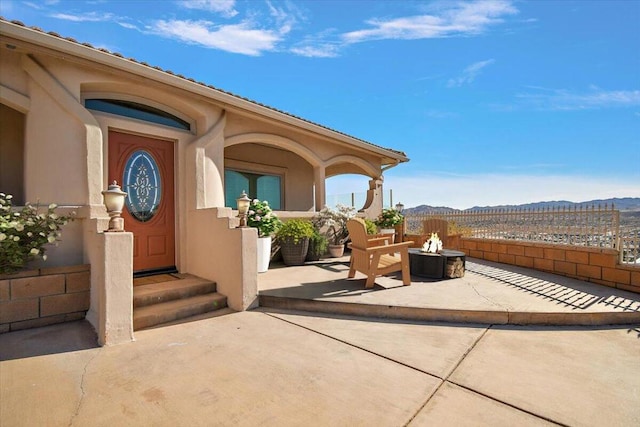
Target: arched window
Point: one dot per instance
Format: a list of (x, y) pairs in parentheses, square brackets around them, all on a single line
[(136, 111)]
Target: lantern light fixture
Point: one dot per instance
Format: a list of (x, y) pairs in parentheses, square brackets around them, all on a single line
[(243, 207)]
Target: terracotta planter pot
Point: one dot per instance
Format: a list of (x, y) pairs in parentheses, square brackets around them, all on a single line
[(336, 251)]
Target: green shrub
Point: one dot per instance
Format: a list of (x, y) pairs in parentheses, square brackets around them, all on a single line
[(319, 243), (371, 226), (296, 229), (24, 233)]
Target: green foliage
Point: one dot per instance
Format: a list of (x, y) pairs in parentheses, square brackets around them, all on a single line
[(334, 222), (389, 218), (372, 228), (295, 229), (261, 216), (24, 233), (319, 243)]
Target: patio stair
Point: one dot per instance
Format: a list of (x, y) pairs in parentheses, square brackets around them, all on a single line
[(164, 302)]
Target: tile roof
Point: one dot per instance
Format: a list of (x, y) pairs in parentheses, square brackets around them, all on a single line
[(105, 51)]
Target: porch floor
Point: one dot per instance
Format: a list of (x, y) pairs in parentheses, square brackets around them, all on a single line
[(488, 293)]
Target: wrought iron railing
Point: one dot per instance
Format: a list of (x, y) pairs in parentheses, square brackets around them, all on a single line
[(630, 248), (597, 226)]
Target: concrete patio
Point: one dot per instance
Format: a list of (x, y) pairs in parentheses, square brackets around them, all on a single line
[(489, 293), (278, 367)]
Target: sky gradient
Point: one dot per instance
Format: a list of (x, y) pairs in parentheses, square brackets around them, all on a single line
[(494, 102)]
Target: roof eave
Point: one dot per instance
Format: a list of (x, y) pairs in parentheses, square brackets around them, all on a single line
[(74, 48)]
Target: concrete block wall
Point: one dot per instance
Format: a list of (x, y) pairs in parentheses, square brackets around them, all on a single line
[(35, 298), (597, 265)]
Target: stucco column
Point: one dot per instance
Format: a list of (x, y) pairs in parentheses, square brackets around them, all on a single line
[(205, 168), (319, 177), (111, 311)]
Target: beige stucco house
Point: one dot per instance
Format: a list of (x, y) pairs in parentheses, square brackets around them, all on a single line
[(75, 118)]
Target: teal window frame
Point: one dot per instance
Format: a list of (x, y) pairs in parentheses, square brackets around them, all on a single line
[(253, 188)]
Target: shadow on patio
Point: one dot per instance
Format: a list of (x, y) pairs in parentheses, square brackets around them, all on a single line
[(488, 293)]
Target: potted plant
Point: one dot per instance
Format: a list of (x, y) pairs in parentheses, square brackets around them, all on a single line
[(334, 224), (262, 217), (388, 219), (317, 246), (294, 238)]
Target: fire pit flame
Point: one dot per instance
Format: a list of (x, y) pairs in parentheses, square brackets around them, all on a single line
[(433, 245)]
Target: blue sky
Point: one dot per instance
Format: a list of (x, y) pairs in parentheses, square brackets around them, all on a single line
[(495, 102)]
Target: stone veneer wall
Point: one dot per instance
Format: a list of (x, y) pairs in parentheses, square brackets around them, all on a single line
[(597, 265), (34, 298)]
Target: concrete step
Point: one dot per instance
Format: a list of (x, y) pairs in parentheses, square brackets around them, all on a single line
[(195, 318), (152, 315), (156, 293), (500, 316)]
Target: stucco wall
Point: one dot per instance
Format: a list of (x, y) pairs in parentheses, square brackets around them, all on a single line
[(323, 150)]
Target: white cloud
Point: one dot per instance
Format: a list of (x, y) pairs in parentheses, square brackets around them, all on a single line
[(466, 191), (84, 17), (459, 19), (595, 98), (238, 38), (326, 50), (128, 26), (225, 8), (469, 74)]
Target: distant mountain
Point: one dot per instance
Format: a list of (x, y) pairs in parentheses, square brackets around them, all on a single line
[(624, 204)]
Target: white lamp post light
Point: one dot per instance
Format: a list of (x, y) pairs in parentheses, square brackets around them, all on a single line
[(243, 207), (114, 202), (399, 207)]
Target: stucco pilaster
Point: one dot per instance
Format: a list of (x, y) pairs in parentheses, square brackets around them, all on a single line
[(71, 105), (319, 176), (205, 168)]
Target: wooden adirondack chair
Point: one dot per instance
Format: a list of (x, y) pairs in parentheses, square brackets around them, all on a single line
[(376, 256), (435, 225), (440, 226)]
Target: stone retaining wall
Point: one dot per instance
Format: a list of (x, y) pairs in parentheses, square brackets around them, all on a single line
[(597, 265), (34, 298)]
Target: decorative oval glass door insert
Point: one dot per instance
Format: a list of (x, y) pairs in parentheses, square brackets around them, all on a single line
[(143, 185)]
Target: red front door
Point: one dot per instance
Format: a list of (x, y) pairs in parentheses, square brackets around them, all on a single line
[(144, 168)]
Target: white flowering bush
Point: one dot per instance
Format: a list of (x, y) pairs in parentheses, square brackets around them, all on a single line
[(334, 222), (261, 216), (389, 218), (24, 233)]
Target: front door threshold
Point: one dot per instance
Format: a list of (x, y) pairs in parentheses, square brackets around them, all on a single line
[(155, 271)]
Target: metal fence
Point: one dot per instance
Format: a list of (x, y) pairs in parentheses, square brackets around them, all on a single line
[(630, 248), (595, 226)]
